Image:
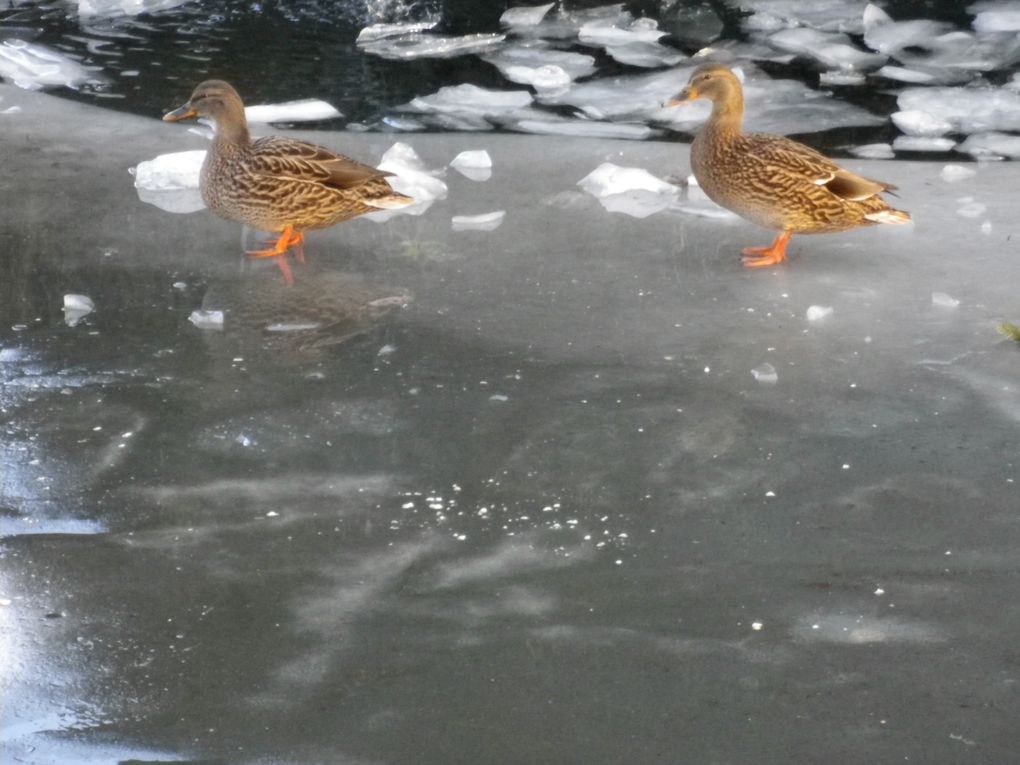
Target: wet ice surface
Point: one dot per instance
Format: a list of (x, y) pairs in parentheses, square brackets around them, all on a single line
[(550, 487)]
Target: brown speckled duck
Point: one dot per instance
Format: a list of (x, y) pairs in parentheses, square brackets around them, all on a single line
[(277, 184), (771, 180)]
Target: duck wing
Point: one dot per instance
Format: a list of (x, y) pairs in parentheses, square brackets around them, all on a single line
[(279, 157), (787, 157)]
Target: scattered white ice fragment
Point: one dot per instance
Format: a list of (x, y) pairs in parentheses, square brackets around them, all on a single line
[(484, 222), (476, 165), (993, 17), (818, 312), (523, 16), (917, 122), (606, 32), (305, 110), (542, 78), (386, 350), (832, 50), (630, 190), (414, 46), (207, 319), (970, 208), (582, 127), (649, 55), (88, 8), (170, 181), (76, 308), (757, 626), (874, 151), (842, 77), (11, 110), (498, 397), (532, 55), (968, 110), (766, 374), (382, 31), (411, 178), (179, 285), (32, 66), (922, 143), (942, 300), (890, 37), (471, 101), (293, 326), (991, 145), (954, 173), (986, 227), (902, 74)]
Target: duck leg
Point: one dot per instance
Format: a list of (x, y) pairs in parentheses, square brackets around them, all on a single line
[(762, 257), (289, 238)]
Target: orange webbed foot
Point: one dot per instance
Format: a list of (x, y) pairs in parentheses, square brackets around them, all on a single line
[(763, 257), (287, 240)]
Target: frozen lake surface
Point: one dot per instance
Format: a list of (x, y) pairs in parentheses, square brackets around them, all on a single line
[(559, 485)]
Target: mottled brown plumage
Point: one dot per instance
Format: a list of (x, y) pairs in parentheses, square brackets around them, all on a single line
[(771, 180), (278, 184)]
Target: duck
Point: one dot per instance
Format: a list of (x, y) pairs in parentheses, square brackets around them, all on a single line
[(278, 184), (771, 180)]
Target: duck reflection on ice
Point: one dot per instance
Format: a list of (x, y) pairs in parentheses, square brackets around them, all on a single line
[(320, 309)]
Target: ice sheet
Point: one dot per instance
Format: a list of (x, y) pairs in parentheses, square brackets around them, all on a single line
[(829, 49), (524, 16), (33, 66), (537, 55), (88, 8), (414, 46), (917, 122), (991, 145), (305, 110), (890, 37), (824, 15), (995, 16), (968, 110)]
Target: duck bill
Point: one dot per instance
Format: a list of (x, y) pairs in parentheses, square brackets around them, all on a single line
[(184, 113), (685, 95)]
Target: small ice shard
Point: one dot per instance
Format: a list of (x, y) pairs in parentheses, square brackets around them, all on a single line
[(499, 397), (991, 145), (382, 31), (832, 50), (922, 143), (842, 77), (207, 319), (476, 165), (282, 326), (386, 350), (76, 308), (902, 74), (629, 190), (818, 312), (942, 300), (411, 178), (605, 32), (993, 17), (917, 122), (874, 151), (10, 110), (522, 16), (414, 46), (484, 222), (986, 227), (954, 173), (765, 373), (541, 78), (890, 37), (305, 110), (970, 208), (170, 181), (32, 66), (405, 124)]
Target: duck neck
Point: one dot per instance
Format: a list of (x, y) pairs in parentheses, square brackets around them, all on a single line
[(728, 113), (232, 130)]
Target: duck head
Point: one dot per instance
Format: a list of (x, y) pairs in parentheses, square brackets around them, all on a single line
[(712, 81)]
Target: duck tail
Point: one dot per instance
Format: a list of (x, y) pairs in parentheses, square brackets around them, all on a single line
[(889, 216)]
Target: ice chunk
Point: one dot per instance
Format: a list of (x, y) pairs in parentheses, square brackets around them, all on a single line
[(818, 312), (88, 8), (842, 77), (874, 151), (170, 181), (524, 16), (484, 222), (992, 145), (551, 125), (404, 29), (476, 165), (619, 31), (305, 110), (954, 173), (405, 124), (410, 177), (536, 55), (766, 374), (563, 24), (414, 46), (645, 54), (832, 50), (825, 15), (33, 67), (630, 190), (694, 25), (901, 74), (922, 143), (890, 37), (76, 308), (942, 300), (968, 110), (986, 227), (207, 319), (917, 122), (970, 208), (470, 100), (991, 17), (542, 78)]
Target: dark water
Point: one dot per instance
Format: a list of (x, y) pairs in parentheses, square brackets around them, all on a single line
[(289, 49)]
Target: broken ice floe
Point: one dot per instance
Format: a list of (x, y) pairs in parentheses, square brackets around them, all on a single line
[(88, 8), (76, 308), (922, 143), (629, 190), (920, 123), (377, 32), (417, 45), (942, 300), (305, 110), (171, 181), (954, 173), (968, 110), (995, 16), (540, 123), (484, 222), (409, 177), (207, 319), (818, 312), (512, 58), (766, 374), (890, 37), (874, 151), (991, 145), (830, 49), (32, 66), (476, 165), (824, 15), (468, 107), (523, 16)]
